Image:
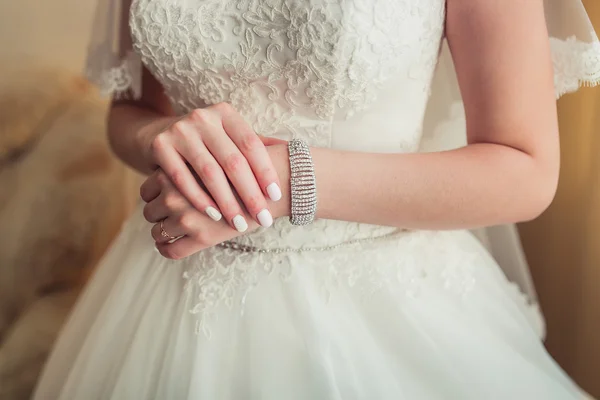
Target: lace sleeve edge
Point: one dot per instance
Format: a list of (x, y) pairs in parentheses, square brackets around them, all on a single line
[(576, 64), (120, 81)]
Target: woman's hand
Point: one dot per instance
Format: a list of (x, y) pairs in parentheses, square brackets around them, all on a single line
[(220, 149), (170, 211), (194, 230)]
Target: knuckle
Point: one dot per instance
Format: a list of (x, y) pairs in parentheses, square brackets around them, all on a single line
[(200, 115), (250, 142), (255, 203), (143, 193), (179, 128), (208, 171), (222, 107), (234, 162), (162, 179), (147, 213), (170, 201), (159, 143), (186, 222), (177, 178)]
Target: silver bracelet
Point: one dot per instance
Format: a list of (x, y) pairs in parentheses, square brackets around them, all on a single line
[(303, 183)]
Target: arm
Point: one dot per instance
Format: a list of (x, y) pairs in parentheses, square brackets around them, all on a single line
[(133, 124), (509, 170)]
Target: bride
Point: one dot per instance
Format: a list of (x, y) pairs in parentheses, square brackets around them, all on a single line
[(293, 241)]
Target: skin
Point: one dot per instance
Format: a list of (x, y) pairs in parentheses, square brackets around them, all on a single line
[(213, 145), (508, 172)]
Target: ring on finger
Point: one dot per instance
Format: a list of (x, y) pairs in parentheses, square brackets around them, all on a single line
[(165, 234)]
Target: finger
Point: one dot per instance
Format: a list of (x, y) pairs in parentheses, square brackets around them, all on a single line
[(241, 177), (179, 174), (168, 230), (151, 187), (213, 177), (253, 149), (169, 202), (179, 249), (191, 229)]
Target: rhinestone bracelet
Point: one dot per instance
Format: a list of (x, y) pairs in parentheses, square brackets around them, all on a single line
[(302, 183)]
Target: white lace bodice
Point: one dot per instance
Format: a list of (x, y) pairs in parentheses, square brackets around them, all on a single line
[(317, 69), (348, 74)]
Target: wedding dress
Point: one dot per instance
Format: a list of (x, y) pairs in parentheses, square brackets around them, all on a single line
[(333, 310)]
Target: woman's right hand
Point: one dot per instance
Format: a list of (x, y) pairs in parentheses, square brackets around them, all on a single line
[(220, 147)]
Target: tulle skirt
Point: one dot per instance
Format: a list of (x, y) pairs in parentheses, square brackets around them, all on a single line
[(422, 316)]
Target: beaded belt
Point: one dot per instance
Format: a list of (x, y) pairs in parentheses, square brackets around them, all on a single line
[(278, 250)]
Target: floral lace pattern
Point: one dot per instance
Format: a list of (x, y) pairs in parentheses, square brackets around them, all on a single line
[(576, 64), (225, 277), (289, 67), (123, 80)]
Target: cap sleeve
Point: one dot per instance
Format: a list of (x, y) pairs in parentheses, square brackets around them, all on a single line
[(111, 62), (575, 46)]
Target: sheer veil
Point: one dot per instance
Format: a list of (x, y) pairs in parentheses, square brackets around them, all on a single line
[(111, 62), (576, 57), (116, 69)]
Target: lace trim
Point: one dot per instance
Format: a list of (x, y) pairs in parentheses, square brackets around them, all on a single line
[(123, 81), (576, 64), (227, 277)]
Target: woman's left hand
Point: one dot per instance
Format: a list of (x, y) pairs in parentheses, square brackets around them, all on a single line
[(180, 230)]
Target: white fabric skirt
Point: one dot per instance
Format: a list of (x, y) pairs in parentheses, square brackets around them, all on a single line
[(422, 315)]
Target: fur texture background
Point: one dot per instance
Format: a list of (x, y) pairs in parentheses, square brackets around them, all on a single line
[(63, 198)]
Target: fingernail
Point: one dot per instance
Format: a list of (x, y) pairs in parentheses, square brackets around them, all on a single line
[(240, 223), (213, 213), (265, 218), (274, 191)]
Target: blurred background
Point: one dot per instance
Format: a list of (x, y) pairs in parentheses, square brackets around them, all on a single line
[(63, 197)]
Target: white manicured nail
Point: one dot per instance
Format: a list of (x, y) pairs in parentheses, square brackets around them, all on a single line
[(240, 223), (274, 191), (213, 213), (265, 218)]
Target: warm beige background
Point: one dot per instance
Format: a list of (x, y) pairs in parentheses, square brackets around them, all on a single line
[(54, 31), (562, 245)]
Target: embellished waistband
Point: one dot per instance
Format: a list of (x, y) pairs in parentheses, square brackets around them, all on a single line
[(279, 250)]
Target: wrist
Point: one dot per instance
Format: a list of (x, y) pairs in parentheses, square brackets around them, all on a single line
[(280, 158)]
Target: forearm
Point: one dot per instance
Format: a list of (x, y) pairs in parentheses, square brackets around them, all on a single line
[(478, 185), (130, 131)]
